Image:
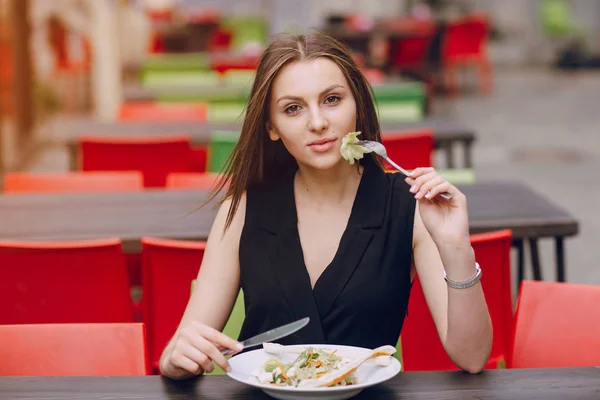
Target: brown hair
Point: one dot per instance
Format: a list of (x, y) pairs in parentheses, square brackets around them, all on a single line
[(256, 158)]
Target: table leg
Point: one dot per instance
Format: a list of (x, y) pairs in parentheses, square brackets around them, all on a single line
[(449, 149), (468, 155), (560, 259), (535, 259), (73, 161)]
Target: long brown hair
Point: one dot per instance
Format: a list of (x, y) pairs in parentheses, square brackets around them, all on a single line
[(256, 158)]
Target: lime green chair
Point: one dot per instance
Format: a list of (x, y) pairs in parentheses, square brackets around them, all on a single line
[(226, 112), (207, 94), (220, 147), (246, 30), (398, 102), (458, 176), (158, 79), (176, 62), (556, 19), (233, 327), (399, 111), (239, 78)]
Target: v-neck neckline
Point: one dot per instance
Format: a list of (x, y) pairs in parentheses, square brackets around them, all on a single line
[(343, 237)]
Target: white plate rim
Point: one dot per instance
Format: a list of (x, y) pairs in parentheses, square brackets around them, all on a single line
[(395, 364)]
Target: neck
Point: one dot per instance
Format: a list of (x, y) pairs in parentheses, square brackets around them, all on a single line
[(328, 186)]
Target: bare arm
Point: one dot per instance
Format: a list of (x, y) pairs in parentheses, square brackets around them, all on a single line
[(198, 340), (460, 315)]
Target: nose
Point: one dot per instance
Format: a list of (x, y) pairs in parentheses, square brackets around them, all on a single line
[(317, 123)]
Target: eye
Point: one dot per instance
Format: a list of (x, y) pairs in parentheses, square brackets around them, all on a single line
[(293, 109), (333, 99)]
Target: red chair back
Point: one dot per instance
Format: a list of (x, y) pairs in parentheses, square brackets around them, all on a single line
[(72, 350), (192, 180), (168, 268), (409, 149), (155, 157), (153, 112), (71, 182), (557, 325), (410, 52), (64, 282), (422, 349), (465, 40)]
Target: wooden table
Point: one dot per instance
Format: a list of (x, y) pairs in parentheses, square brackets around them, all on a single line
[(175, 214), (447, 133), (526, 384)]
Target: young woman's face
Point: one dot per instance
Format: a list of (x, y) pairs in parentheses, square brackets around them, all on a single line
[(311, 109)]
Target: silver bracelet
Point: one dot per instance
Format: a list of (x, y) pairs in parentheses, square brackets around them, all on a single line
[(464, 284)]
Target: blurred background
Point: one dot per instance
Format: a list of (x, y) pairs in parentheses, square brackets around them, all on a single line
[(517, 80)]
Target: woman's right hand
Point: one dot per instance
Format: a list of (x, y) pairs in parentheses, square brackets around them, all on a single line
[(194, 349)]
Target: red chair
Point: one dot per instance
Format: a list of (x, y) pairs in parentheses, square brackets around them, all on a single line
[(422, 349), (465, 44), (409, 51), (192, 180), (199, 158), (557, 325), (409, 149), (72, 350), (168, 268), (155, 157), (64, 282), (73, 182), (153, 112)]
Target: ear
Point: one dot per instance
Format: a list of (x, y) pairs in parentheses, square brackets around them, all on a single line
[(272, 134)]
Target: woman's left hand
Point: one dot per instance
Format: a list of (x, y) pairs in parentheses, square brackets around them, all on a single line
[(446, 220)]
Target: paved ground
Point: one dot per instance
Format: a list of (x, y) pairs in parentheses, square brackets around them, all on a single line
[(539, 127)]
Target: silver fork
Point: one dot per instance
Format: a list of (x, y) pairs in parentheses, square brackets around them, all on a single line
[(380, 150)]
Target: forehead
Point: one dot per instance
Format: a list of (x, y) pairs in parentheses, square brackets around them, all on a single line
[(305, 78)]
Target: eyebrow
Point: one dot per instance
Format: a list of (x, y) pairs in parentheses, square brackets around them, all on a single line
[(296, 98)]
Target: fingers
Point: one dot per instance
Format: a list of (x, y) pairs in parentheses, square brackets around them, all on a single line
[(197, 347), (220, 339), (210, 351), (417, 172), (427, 186), (426, 183), (441, 188)]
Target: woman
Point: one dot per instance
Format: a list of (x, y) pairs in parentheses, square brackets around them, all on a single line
[(305, 233)]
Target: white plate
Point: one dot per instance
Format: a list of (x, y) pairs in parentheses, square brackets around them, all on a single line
[(367, 375)]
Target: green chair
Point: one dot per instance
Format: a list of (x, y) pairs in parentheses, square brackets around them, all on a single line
[(399, 111), (556, 19), (239, 78), (402, 91), (233, 327), (246, 30), (160, 79), (206, 94), (220, 147), (226, 112), (458, 176), (177, 62)]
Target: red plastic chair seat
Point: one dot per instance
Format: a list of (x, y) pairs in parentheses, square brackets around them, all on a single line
[(72, 350), (155, 157), (70, 182), (64, 282), (557, 325), (409, 149), (422, 349), (168, 268)]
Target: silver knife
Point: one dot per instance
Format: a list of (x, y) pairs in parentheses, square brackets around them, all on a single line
[(270, 335)]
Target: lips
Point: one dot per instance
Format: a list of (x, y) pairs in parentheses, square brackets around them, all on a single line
[(321, 141), (322, 145)]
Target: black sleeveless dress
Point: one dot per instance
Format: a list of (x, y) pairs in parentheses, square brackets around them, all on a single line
[(362, 296)]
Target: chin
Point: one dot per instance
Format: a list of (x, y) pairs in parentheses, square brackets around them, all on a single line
[(325, 163)]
